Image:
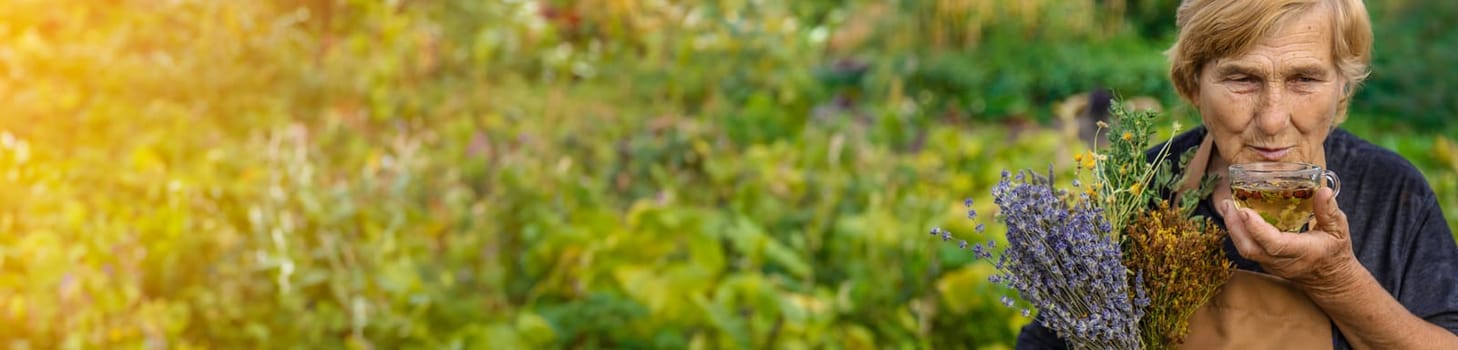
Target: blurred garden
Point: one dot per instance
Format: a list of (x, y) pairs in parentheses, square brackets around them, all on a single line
[(568, 174)]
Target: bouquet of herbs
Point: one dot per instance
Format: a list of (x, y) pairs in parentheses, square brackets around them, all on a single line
[(1110, 262)]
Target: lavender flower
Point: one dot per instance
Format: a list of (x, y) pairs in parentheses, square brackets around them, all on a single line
[(980, 252), (1061, 259)]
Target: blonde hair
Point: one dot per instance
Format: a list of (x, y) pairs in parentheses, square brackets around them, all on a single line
[(1214, 29)]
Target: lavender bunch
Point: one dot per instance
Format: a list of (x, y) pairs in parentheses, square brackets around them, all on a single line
[(1062, 260)]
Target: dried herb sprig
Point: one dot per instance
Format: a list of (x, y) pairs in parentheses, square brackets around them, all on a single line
[(1183, 263), (1123, 174)]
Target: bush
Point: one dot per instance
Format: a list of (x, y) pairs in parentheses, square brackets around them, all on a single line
[(1410, 83)]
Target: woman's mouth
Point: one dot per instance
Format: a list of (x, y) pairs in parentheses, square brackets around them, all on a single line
[(1272, 154)]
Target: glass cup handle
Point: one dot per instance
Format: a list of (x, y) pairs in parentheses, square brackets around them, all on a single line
[(1333, 181)]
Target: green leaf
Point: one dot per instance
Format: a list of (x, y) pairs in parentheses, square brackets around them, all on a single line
[(723, 320), (534, 330), (786, 257)]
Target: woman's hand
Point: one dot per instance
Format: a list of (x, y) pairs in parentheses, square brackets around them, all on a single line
[(1320, 261)]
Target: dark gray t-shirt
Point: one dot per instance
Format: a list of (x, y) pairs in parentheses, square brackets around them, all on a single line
[(1398, 232)]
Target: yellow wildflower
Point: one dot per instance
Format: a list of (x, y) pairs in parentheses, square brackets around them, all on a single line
[(1136, 189), (1161, 244), (1088, 162), (1128, 136)]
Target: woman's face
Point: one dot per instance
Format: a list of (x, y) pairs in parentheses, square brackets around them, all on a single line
[(1277, 101)]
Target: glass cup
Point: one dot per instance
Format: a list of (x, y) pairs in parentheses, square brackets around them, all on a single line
[(1282, 193)]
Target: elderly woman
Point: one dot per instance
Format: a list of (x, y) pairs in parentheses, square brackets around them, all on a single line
[(1378, 267)]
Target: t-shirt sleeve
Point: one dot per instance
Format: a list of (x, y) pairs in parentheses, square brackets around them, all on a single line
[(1431, 279), (1036, 337)]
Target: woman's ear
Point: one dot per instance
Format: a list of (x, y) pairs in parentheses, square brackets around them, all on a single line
[(1194, 97), (1342, 104)]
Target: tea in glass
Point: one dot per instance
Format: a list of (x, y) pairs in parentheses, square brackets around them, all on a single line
[(1282, 193)]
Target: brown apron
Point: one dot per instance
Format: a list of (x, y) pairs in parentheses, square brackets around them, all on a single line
[(1254, 310)]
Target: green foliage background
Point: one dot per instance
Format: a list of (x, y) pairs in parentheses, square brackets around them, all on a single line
[(578, 174)]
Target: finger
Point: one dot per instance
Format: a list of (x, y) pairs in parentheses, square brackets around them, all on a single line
[(1329, 217), (1236, 225), (1265, 236)]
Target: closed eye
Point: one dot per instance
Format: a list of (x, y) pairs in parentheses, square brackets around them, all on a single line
[(1241, 79)]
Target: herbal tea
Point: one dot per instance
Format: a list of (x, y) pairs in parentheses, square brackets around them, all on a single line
[(1285, 204)]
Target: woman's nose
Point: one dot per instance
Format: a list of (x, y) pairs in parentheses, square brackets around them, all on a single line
[(1274, 112)]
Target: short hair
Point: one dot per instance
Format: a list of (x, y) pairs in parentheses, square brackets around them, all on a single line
[(1215, 29)]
